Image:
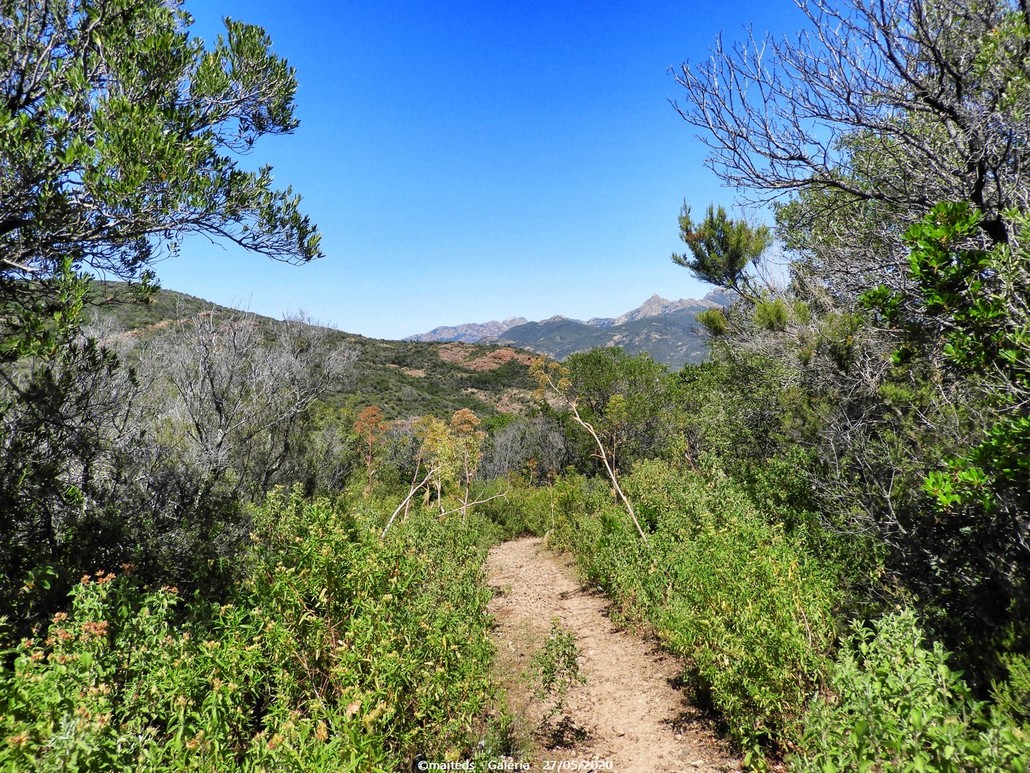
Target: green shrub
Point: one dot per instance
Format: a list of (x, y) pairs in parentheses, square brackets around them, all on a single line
[(894, 704), (119, 684), (341, 651), (525, 509), (748, 608), (554, 670), (771, 314), (714, 320), (1013, 694), (590, 524)]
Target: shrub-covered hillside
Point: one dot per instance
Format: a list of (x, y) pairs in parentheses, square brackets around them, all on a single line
[(403, 378)]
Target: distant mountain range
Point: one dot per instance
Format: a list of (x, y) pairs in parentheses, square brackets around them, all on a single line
[(485, 372), (665, 329), (471, 333)]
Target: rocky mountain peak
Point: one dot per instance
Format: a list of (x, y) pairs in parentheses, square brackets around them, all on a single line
[(652, 307)]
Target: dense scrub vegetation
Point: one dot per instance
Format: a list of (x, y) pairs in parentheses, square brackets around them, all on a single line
[(403, 378), (854, 452), (336, 650)]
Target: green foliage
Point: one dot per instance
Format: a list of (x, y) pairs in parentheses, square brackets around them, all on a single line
[(802, 312), (555, 668), (894, 704), (900, 391), (738, 406), (771, 314), (399, 624), (957, 282), (751, 612), (1012, 695), (525, 508), (979, 296), (882, 300), (961, 343), (117, 684), (627, 399), (714, 320), (121, 137), (43, 317), (339, 652), (582, 509), (839, 340), (124, 128), (721, 249), (779, 488)]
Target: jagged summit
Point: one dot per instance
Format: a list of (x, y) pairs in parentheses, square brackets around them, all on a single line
[(652, 307), (664, 328), (469, 333)]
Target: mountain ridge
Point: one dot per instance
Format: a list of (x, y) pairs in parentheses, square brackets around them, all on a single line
[(654, 306), (467, 333), (665, 329)]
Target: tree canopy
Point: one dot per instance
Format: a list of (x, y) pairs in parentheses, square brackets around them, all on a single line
[(722, 249), (120, 133), (892, 140), (901, 105)]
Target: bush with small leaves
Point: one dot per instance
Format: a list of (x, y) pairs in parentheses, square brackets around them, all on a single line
[(740, 599), (555, 668), (894, 704)]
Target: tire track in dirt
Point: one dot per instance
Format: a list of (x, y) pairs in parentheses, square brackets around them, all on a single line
[(631, 714)]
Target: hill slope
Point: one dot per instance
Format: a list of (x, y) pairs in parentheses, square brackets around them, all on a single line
[(405, 378)]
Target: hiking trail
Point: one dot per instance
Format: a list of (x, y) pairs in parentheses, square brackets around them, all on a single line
[(628, 716)]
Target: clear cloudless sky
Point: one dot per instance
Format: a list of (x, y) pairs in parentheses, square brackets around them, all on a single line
[(478, 160)]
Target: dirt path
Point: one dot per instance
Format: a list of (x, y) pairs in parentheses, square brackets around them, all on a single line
[(627, 716)]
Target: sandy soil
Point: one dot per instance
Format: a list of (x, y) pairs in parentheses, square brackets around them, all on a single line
[(628, 716)]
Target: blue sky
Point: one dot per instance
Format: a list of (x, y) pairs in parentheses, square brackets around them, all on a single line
[(468, 161)]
